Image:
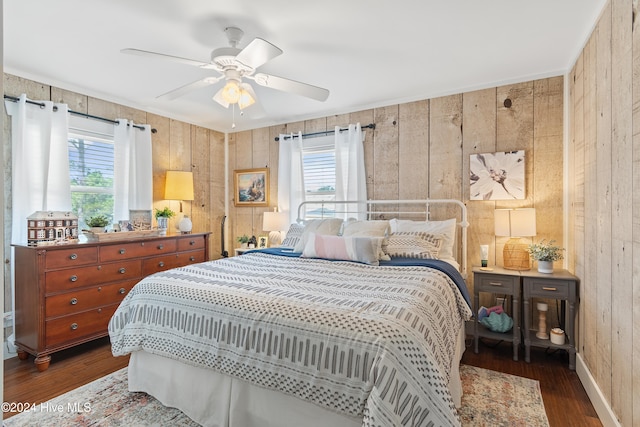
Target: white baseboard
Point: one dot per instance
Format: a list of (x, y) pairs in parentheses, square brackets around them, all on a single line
[(600, 404)]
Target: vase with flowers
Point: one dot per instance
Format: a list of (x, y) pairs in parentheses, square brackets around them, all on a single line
[(546, 253), (162, 217)]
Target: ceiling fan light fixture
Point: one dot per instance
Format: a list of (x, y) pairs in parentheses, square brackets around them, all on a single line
[(247, 96), (231, 92)]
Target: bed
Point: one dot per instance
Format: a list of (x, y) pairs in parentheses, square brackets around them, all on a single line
[(339, 333)]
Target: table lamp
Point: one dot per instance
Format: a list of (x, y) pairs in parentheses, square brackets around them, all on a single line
[(179, 186), (515, 224), (275, 223)]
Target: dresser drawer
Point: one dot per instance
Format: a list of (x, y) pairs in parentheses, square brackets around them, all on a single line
[(542, 288), (497, 284), (190, 243), (71, 257), (71, 278), (86, 299), (186, 258), (140, 249), (159, 263), (76, 326)]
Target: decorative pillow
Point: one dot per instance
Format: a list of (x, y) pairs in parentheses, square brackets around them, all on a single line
[(446, 229), (293, 235), (328, 226), (413, 244), (373, 228), (359, 249)]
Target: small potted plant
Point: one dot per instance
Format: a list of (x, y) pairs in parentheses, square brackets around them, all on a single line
[(545, 253), (243, 240), (97, 223), (162, 217)]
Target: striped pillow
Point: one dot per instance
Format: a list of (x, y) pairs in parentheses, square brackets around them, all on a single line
[(413, 244), (293, 235), (359, 249)]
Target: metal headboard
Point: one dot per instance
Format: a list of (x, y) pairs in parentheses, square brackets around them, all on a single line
[(375, 209)]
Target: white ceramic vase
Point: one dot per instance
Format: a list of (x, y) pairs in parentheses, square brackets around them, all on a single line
[(545, 266), (163, 223)]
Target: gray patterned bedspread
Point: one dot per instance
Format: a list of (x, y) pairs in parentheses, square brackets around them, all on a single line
[(368, 341)]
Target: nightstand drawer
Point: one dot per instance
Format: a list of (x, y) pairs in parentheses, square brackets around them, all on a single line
[(498, 284), (547, 288)]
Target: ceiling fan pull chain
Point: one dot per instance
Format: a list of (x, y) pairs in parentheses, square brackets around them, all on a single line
[(233, 117)]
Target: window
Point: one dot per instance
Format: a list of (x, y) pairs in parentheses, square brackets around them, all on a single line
[(319, 171), (91, 165)]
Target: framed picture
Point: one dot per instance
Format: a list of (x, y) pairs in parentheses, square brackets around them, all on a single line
[(497, 176), (139, 220), (262, 241), (251, 187)]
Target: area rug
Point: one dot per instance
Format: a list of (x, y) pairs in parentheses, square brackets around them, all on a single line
[(490, 399)]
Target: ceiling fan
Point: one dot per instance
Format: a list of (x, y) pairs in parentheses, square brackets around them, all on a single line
[(233, 65)]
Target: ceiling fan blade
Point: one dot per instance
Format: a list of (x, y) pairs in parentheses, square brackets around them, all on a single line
[(182, 90), (146, 53), (258, 52), (287, 85)]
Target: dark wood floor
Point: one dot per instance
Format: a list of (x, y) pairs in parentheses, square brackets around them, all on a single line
[(564, 397)]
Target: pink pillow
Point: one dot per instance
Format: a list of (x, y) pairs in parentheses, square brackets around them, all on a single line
[(359, 249)]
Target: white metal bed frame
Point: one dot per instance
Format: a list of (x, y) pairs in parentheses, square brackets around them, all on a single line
[(375, 209)]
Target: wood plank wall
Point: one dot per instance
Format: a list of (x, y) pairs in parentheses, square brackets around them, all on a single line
[(176, 146), (421, 150), (604, 189)]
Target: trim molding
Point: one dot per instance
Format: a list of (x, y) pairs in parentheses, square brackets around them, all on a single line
[(607, 417)]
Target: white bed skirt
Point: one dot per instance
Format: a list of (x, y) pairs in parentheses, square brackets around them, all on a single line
[(217, 400)]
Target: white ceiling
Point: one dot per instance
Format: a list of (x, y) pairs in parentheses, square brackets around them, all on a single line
[(368, 53)]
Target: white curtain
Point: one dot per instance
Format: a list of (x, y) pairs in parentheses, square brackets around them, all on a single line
[(351, 179), (133, 169), (290, 175), (40, 161)]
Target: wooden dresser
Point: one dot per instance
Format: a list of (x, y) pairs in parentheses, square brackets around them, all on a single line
[(66, 294)]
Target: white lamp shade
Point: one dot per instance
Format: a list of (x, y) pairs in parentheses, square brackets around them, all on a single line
[(515, 222), (178, 185), (275, 221)]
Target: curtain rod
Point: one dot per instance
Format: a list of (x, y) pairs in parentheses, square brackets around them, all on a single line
[(326, 132), (89, 116)]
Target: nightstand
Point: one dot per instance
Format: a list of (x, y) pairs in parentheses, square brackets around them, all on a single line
[(559, 285), (498, 281), (240, 251)]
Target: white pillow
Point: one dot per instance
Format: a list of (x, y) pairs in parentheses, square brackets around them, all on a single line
[(329, 226), (293, 235), (446, 228), (373, 228), (359, 249), (413, 244)]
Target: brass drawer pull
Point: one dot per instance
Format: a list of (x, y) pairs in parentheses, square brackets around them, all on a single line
[(192, 258), (545, 288), (122, 270), (74, 326), (161, 264), (495, 283), (160, 247), (122, 290), (73, 256), (73, 278), (122, 251), (74, 301)]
